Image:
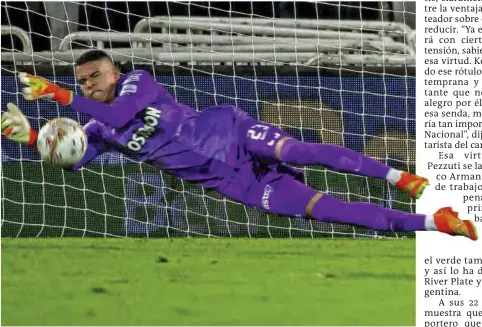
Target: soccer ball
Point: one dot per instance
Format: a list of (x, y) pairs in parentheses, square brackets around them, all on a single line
[(62, 142)]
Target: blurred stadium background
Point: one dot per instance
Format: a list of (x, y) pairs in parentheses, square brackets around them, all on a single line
[(334, 72)]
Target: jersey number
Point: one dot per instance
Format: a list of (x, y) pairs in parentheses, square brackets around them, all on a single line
[(259, 132), (258, 135)]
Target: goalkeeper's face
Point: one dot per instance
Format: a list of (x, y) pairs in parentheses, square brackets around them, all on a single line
[(98, 80)]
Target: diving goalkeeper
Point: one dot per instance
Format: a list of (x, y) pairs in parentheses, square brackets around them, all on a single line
[(221, 148)]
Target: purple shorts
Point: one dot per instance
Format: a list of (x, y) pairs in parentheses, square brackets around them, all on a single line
[(272, 191)]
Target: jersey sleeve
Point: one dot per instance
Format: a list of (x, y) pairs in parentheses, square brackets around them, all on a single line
[(136, 91), (96, 145)]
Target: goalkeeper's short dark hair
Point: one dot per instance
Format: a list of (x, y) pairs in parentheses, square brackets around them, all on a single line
[(92, 55)]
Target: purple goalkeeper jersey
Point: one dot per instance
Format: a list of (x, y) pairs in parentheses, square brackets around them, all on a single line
[(147, 124)]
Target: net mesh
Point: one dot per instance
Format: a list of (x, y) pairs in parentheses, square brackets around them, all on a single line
[(347, 81)]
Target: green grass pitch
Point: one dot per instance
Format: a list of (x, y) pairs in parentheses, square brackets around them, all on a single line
[(195, 281)]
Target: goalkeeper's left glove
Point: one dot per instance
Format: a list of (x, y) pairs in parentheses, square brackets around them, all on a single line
[(16, 127), (39, 87)]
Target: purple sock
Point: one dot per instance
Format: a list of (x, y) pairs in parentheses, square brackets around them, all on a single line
[(335, 157), (370, 215)]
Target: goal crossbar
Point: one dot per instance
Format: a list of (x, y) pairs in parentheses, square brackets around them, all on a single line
[(385, 31), (365, 26), (158, 55), (222, 43)]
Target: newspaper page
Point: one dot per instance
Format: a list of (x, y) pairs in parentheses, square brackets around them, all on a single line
[(449, 153)]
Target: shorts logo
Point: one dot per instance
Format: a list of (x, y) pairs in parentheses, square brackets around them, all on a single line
[(265, 199)]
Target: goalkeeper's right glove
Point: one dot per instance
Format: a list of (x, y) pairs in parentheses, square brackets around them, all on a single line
[(16, 127), (39, 87)]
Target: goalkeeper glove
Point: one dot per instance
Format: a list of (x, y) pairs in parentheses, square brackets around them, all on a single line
[(16, 127), (39, 87)]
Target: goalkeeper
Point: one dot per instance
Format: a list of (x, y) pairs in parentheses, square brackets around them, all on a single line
[(221, 148)]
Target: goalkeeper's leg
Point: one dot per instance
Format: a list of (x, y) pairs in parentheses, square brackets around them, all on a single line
[(288, 197), (271, 143)]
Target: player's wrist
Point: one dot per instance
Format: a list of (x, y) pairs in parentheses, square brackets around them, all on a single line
[(63, 96), (32, 138)]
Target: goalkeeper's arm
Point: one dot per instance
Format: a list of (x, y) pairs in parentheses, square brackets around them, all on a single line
[(135, 95), (95, 145)]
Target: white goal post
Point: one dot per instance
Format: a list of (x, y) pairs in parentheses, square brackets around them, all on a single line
[(346, 82)]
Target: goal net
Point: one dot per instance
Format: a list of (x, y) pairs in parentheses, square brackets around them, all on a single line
[(342, 79)]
